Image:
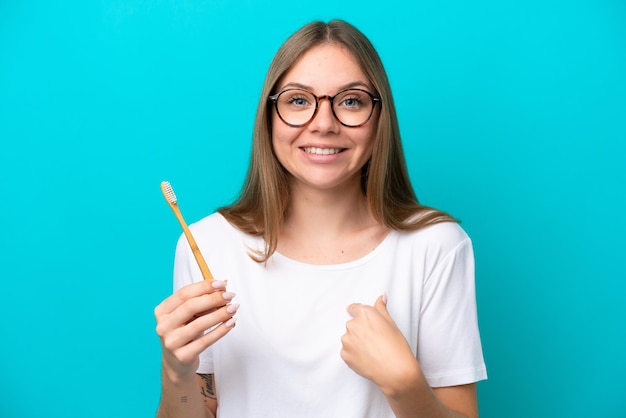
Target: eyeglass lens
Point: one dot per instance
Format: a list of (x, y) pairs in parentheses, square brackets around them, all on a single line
[(350, 107)]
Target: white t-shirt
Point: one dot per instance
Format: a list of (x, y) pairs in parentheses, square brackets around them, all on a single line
[(283, 359)]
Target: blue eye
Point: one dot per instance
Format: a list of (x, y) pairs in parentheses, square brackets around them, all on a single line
[(298, 101), (352, 102)]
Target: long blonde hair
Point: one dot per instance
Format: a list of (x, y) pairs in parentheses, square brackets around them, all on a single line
[(263, 201)]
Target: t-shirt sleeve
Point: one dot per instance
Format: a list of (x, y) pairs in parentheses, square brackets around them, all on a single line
[(449, 346), (186, 272)]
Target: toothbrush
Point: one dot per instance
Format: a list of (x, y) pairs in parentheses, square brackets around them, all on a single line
[(170, 197)]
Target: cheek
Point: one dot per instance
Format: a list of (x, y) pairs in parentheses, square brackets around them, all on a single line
[(282, 135), (282, 138), (277, 132), (370, 135), (367, 139)]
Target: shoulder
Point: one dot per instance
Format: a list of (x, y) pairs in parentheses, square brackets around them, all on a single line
[(443, 236), (214, 222), (211, 232), (433, 246), (221, 245)]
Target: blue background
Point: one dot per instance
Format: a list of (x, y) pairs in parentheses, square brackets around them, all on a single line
[(513, 116)]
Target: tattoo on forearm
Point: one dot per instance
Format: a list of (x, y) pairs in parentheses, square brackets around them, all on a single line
[(208, 390), (183, 399)]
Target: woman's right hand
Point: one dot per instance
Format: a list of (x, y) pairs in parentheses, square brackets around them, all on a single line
[(182, 322)]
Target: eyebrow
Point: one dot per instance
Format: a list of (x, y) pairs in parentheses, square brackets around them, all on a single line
[(350, 85)]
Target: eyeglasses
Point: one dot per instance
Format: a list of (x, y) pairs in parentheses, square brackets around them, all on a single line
[(298, 107)]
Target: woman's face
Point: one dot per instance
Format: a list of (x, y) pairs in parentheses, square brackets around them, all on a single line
[(324, 154)]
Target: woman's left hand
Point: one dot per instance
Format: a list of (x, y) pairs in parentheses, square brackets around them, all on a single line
[(374, 347)]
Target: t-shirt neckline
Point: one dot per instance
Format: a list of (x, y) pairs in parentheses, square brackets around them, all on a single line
[(278, 257)]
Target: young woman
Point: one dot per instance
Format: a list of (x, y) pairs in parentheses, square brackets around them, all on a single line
[(356, 300)]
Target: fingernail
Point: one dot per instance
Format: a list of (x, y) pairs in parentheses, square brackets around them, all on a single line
[(218, 284), (385, 298), (232, 308), (230, 323), (228, 295)]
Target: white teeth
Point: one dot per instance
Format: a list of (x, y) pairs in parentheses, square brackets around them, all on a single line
[(322, 151)]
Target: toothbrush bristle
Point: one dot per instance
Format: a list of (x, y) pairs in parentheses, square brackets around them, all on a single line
[(168, 192)]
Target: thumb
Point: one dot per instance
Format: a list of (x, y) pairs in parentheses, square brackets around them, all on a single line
[(354, 308), (381, 305)]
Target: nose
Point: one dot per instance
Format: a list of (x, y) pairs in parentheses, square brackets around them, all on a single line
[(324, 120)]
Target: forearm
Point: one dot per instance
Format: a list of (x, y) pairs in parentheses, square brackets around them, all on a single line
[(412, 397), (181, 398)]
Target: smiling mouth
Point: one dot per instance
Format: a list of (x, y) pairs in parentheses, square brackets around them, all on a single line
[(322, 151)]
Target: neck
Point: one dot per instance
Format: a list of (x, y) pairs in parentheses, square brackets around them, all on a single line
[(327, 212), (329, 226)]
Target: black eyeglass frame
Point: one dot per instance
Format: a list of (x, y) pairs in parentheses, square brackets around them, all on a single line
[(274, 99)]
